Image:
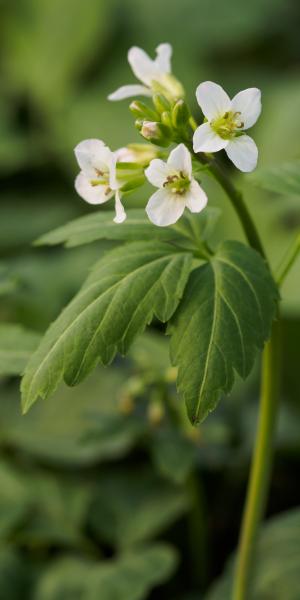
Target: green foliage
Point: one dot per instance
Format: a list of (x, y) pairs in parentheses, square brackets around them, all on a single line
[(100, 226), (282, 179), (224, 318), (129, 577), (120, 297), (174, 454), (130, 507), (277, 562), (16, 346)]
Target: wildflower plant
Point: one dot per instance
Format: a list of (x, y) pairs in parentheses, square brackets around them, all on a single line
[(220, 304)]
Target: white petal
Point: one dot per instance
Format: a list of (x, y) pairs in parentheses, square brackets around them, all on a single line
[(129, 91), (243, 153), (248, 103), (180, 160), (119, 208), (206, 140), (91, 194), (163, 59), (157, 172), (212, 99), (112, 162), (87, 153), (195, 198), (142, 66), (164, 208)]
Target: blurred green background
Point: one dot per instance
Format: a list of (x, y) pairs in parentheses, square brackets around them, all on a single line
[(106, 492)]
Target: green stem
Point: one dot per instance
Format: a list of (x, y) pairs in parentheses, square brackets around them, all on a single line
[(239, 205), (288, 260), (261, 465), (237, 201)]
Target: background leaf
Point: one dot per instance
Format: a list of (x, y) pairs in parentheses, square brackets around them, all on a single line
[(16, 346), (277, 562), (129, 577), (282, 179), (129, 508)]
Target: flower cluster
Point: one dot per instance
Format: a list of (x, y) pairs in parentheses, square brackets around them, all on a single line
[(105, 174)]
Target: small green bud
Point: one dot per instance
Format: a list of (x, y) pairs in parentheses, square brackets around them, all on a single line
[(140, 110), (161, 103), (156, 133), (139, 124), (180, 114), (166, 119), (133, 183)]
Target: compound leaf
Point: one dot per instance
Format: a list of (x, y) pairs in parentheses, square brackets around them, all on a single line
[(224, 318)]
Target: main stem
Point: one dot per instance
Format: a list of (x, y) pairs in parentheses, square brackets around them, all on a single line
[(261, 465), (260, 472)]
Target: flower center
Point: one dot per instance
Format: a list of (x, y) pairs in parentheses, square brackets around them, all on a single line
[(102, 179), (178, 183), (227, 125)]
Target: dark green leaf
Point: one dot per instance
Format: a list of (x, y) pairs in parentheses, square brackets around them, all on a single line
[(224, 318), (127, 287), (100, 225), (137, 226)]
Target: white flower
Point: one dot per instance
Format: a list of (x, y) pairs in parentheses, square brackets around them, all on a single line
[(155, 75), (177, 188), (97, 180), (226, 121)]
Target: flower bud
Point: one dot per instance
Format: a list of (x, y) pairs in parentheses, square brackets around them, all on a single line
[(142, 153), (180, 114), (140, 110), (166, 119), (169, 87), (161, 103), (139, 124), (155, 412), (156, 133)]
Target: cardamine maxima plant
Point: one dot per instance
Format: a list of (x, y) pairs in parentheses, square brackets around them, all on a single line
[(220, 304)]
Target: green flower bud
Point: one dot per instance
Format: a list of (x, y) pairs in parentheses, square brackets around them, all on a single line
[(166, 119), (139, 124), (161, 103), (180, 114), (140, 110), (156, 133)]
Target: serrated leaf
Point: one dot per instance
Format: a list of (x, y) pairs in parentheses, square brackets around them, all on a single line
[(100, 225), (224, 318), (16, 346), (282, 179), (127, 287), (128, 577), (276, 565)]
